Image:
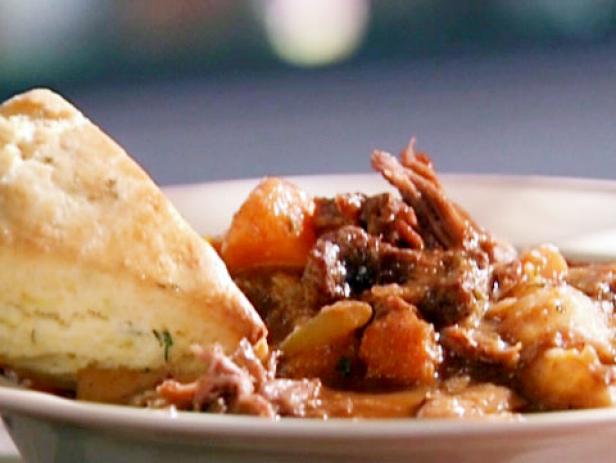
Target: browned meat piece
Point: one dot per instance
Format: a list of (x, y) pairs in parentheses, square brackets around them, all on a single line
[(446, 286), (332, 213), (598, 281), (459, 398), (241, 384), (384, 216), (419, 162), (279, 297), (449, 286), (342, 263), (442, 223), (223, 386), (480, 344), (392, 220)]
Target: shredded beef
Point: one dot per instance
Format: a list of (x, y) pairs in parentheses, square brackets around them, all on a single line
[(442, 224), (392, 220), (428, 271), (241, 384)]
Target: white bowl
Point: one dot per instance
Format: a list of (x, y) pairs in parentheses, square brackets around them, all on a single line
[(575, 214)]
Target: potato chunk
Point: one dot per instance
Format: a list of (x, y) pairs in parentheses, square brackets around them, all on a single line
[(569, 378), (326, 345), (544, 261), (333, 322), (552, 316), (566, 345)]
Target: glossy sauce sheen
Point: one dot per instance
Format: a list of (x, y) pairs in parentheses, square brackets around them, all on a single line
[(461, 325)]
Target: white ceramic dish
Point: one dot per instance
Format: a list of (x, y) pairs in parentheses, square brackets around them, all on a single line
[(575, 214)]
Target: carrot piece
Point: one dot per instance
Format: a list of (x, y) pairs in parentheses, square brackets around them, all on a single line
[(400, 348), (272, 228)]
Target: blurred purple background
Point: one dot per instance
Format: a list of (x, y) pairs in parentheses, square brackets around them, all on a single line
[(208, 90)]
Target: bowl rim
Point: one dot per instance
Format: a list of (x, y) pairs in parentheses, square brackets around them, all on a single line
[(176, 423), (531, 180)]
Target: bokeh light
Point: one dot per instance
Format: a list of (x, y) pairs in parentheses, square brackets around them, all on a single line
[(35, 33), (315, 32)]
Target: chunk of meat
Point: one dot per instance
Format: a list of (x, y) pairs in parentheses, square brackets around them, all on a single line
[(224, 385), (273, 228), (461, 399), (343, 263), (399, 347), (333, 213), (447, 286), (505, 277), (559, 379), (280, 298), (477, 340), (383, 216), (481, 343)]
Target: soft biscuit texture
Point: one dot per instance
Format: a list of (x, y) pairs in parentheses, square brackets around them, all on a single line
[(97, 269)]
